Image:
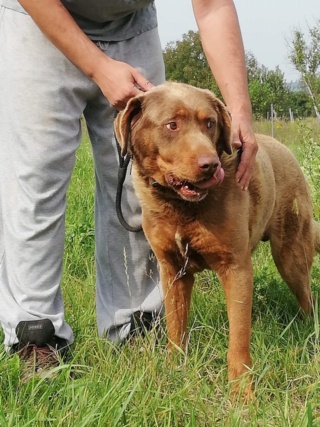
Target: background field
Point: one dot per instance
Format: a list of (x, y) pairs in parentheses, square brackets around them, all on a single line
[(134, 385)]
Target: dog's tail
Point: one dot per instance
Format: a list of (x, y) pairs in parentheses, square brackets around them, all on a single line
[(316, 227)]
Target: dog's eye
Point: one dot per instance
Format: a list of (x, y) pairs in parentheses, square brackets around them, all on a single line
[(210, 124), (172, 126)]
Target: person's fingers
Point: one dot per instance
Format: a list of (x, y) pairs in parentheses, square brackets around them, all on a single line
[(120, 102), (145, 85), (141, 82), (246, 166), (236, 143), (244, 174)]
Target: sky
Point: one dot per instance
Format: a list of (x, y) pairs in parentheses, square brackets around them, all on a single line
[(266, 26)]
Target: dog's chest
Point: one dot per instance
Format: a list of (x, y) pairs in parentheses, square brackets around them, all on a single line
[(194, 252)]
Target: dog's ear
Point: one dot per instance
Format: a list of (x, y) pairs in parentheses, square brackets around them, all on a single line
[(124, 121), (224, 123)]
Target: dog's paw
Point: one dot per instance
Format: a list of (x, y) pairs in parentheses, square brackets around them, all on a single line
[(242, 389)]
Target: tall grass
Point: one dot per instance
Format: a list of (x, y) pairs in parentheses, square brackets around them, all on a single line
[(136, 384)]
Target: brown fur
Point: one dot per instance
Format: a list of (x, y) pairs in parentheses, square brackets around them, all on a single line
[(218, 230)]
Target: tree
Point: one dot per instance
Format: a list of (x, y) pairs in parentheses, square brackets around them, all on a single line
[(185, 62), (299, 102), (266, 87), (306, 59)]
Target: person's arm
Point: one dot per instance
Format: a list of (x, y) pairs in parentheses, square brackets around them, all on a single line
[(222, 44), (116, 79)]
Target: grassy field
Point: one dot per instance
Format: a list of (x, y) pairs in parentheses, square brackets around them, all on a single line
[(135, 385)]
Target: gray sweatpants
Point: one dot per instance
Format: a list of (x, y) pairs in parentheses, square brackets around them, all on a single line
[(42, 97)]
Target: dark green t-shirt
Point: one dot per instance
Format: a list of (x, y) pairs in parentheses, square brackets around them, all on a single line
[(107, 20)]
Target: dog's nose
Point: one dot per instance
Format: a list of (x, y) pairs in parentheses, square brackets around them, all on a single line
[(208, 162)]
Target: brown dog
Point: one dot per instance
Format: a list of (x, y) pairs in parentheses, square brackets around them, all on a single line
[(196, 217)]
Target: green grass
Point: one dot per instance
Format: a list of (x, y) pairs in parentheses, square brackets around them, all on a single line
[(136, 384)]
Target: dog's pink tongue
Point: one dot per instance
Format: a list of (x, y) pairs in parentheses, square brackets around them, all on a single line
[(217, 178)]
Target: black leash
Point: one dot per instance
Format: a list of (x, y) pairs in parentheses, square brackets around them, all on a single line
[(122, 172)]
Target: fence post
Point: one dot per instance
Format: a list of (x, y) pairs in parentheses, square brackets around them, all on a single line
[(291, 115)]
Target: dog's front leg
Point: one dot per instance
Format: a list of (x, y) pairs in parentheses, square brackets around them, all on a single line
[(238, 286), (177, 289)]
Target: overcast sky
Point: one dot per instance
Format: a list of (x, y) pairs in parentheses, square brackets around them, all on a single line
[(266, 26)]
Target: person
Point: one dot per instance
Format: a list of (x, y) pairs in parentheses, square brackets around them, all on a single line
[(59, 61)]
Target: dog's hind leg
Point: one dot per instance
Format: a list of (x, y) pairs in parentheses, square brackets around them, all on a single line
[(316, 228), (293, 248)]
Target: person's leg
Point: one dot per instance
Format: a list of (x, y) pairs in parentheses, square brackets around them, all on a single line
[(42, 99), (127, 277)]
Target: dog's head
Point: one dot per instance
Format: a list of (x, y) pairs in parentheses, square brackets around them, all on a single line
[(176, 134)]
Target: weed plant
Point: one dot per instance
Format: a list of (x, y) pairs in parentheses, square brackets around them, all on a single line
[(135, 384)]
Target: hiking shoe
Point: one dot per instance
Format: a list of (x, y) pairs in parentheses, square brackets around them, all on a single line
[(38, 347), (141, 323)]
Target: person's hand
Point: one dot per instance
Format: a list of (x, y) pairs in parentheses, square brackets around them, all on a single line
[(117, 80), (243, 137), (120, 81)]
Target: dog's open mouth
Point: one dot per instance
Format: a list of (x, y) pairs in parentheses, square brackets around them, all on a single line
[(195, 191)]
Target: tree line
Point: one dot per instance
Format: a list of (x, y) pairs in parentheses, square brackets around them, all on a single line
[(185, 62)]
